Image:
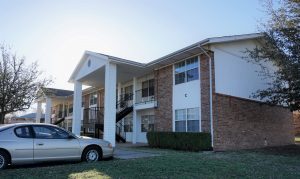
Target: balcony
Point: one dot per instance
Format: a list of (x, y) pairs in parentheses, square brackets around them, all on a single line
[(145, 98)]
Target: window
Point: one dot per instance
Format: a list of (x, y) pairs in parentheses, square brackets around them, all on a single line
[(70, 108), (93, 98), (186, 71), (60, 111), (187, 120), (147, 123), (128, 90), (128, 124), (148, 88), (23, 132), (47, 132), (180, 120)]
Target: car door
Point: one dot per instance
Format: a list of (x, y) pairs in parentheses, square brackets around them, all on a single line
[(23, 145), (53, 143)]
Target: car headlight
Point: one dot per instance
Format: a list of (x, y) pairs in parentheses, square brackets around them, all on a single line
[(109, 145)]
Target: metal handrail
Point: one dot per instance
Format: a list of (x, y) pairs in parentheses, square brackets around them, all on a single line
[(124, 102), (144, 99)]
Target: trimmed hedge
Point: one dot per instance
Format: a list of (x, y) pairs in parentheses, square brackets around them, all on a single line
[(189, 141)]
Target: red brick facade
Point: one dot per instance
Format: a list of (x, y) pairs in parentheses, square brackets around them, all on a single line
[(296, 116), (163, 90), (205, 90), (238, 123), (245, 124)]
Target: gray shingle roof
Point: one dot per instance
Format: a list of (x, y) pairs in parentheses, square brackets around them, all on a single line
[(57, 92), (31, 116)]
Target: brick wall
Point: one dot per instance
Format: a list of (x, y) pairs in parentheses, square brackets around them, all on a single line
[(205, 90), (163, 90), (296, 117), (100, 98), (86, 100), (245, 124)]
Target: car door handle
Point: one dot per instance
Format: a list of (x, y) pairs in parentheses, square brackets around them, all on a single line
[(40, 144)]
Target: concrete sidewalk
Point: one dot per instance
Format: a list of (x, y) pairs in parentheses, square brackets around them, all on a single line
[(130, 151)]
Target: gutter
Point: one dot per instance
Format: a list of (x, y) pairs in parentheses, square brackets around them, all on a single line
[(210, 96)]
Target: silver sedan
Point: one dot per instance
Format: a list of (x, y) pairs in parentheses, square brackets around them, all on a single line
[(31, 143)]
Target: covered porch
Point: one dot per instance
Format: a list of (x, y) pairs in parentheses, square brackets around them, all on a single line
[(124, 94)]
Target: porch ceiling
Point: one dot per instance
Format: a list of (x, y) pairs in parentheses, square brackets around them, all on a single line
[(125, 73)]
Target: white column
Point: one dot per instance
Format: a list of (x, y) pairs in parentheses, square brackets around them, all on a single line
[(77, 98), (48, 110), (110, 103), (38, 112), (134, 118)]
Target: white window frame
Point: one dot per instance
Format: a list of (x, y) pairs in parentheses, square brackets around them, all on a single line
[(186, 119), (148, 122), (185, 70), (90, 99)]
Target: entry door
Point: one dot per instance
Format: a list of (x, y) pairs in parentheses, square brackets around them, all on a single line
[(52, 143)]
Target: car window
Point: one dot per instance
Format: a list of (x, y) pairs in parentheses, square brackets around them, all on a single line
[(23, 132), (49, 132)]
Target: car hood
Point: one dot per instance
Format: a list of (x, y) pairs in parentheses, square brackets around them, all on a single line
[(90, 140)]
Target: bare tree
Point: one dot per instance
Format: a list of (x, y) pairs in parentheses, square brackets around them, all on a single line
[(19, 83)]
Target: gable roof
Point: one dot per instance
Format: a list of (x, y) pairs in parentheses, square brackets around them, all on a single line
[(31, 116), (57, 92), (193, 49)]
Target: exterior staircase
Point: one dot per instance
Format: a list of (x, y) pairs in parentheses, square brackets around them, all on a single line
[(94, 118)]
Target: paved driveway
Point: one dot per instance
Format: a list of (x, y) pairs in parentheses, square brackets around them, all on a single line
[(132, 153)]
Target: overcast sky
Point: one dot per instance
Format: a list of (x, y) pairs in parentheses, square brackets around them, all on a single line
[(57, 32)]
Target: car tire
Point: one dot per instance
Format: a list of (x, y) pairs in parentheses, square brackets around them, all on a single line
[(91, 154), (3, 160)]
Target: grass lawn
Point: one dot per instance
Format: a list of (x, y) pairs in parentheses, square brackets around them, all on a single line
[(270, 163)]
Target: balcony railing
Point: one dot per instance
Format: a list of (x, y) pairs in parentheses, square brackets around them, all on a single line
[(124, 101), (93, 115), (145, 96)]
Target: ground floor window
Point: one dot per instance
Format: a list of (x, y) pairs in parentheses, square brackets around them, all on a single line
[(128, 124), (147, 123), (187, 120)]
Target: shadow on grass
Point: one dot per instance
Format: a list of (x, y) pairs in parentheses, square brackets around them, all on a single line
[(289, 150), (60, 169)]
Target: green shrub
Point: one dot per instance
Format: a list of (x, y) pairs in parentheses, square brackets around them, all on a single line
[(189, 141)]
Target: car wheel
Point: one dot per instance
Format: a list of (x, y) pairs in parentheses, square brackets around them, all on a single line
[(91, 154), (3, 160)]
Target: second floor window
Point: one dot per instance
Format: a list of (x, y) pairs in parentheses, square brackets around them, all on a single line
[(187, 70), (128, 90), (148, 88), (70, 108), (93, 99)]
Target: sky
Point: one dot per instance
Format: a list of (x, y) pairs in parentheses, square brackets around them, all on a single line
[(55, 33)]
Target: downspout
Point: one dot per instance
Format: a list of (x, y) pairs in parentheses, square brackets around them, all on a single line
[(210, 95)]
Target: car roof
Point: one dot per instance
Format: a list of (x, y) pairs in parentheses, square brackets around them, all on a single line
[(22, 124)]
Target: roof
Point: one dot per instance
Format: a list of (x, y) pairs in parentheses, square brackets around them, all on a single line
[(57, 92), (193, 49), (31, 116)]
